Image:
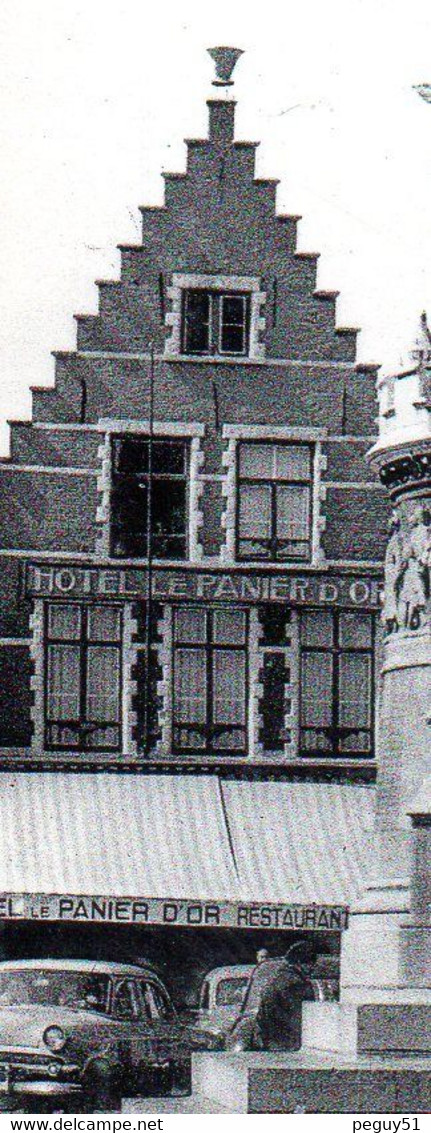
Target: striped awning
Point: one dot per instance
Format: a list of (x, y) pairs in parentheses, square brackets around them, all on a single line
[(129, 840), (308, 840)]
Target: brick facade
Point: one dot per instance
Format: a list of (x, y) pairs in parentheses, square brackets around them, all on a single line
[(298, 382)]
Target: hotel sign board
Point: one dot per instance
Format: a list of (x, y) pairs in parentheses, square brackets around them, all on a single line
[(171, 912), (47, 581)]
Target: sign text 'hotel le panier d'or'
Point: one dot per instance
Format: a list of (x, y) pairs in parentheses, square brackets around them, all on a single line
[(46, 581)]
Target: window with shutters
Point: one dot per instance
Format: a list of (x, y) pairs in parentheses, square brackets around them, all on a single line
[(274, 509), (210, 681), (82, 677), (337, 675)]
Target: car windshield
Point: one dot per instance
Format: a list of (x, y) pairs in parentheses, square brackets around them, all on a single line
[(76, 990), (231, 991)]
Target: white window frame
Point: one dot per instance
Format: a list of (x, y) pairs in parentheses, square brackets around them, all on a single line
[(180, 429), (248, 285), (233, 434)]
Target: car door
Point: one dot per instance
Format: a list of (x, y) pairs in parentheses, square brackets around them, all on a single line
[(168, 1036), (130, 1026)]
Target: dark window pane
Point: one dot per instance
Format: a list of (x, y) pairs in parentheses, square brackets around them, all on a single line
[(168, 457), (197, 315), (63, 682), (256, 461), (315, 740), (130, 455), (104, 623), (232, 340), (233, 310), (273, 708), (293, 512), (190, 625), (190, 686), (355, 690), (292, 462), (355, 630), (168, 507), (255, 512), (168, 500), (229, 627), (317, 628), (229, 739), (229, 686), (103, 684), (316, 691), (355, 741), (64, 622), (129, 507)]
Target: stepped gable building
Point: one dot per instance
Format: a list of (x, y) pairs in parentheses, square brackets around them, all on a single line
[(191, 559)]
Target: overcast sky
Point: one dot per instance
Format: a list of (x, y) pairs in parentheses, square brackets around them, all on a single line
[(96, 97)]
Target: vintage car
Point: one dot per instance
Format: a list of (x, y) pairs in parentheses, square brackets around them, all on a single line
[(78, 1035), (221, 997)]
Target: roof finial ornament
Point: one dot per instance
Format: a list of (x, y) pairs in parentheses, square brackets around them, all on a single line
[(225, 59), (421, 352)]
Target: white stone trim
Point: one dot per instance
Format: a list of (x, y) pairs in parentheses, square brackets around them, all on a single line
[(228, 519), (234, 433), (51, 470), (272, 433), (194, 431), (163, 747), (292, 689), (290, 652), (6, 641), (102, 541), (196, 486), (129, 687), (320, 465), (255, 687), (160, 428), (356, 485), (62, 426), (251, 284), (204, 359), (37, 683)]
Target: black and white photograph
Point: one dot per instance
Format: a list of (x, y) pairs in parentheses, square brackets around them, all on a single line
[(215, 558)]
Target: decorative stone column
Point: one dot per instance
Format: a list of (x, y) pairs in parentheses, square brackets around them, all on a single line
[(386, 953), (415, 935), (402, 456)]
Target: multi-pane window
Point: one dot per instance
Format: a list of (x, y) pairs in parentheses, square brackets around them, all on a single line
[(210, 680), (274, 501), (82, 676), (336, 683), (149, 497), (215, 322)]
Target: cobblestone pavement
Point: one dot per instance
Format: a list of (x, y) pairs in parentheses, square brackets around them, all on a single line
[(194, 1104)]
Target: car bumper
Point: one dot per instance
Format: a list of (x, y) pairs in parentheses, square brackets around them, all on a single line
[(39, 1089), (27, 1075)]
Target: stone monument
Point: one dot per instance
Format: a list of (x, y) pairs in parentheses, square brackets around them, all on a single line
[(385, 1001)]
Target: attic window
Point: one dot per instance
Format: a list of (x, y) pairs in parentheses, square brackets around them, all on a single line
[(215, 322)]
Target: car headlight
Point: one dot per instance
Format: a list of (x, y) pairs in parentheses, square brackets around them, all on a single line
[(55, 1038)]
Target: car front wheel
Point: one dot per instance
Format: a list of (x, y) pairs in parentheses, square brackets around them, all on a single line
[(101, 1090)]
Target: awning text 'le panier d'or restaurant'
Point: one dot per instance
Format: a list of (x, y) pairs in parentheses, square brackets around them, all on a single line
[(197, 852)]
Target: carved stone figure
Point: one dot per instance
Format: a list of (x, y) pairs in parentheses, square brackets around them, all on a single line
[(408, 572), (414, 581), (394, 564)]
